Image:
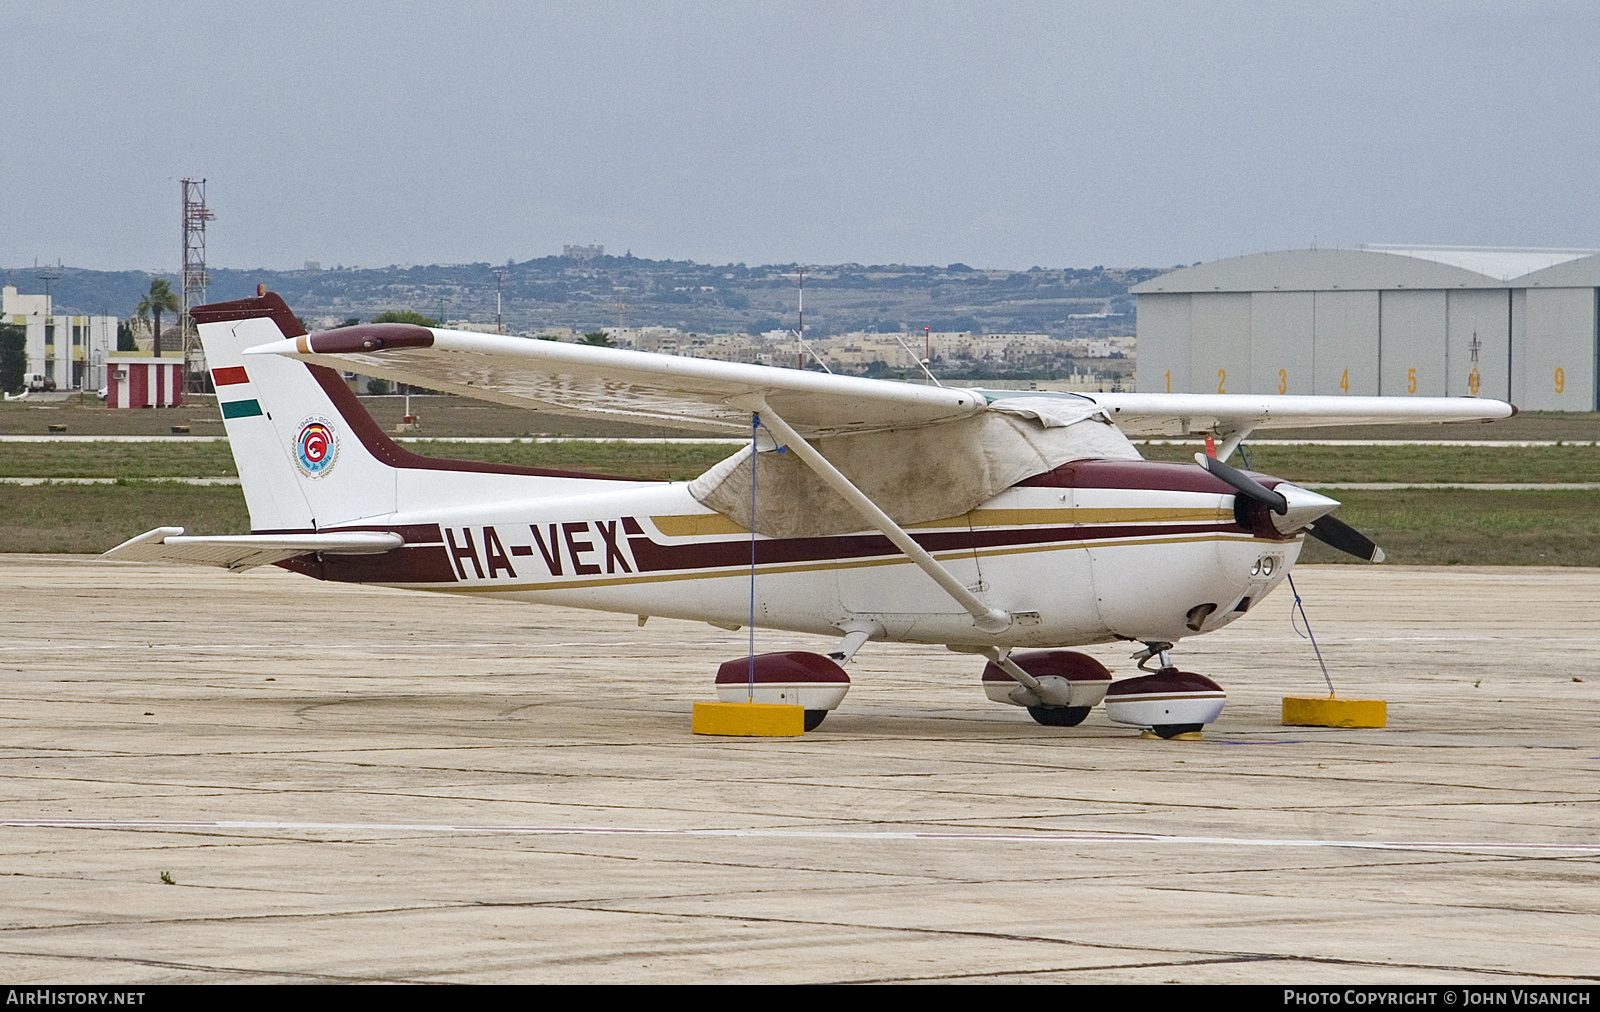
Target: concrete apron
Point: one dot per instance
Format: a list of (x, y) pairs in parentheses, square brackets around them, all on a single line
[(350, 784)]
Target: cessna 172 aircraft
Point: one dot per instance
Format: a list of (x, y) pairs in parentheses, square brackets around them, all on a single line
[(1006, 524)]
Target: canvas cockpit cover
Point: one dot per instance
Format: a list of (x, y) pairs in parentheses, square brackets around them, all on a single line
[(916, 475)]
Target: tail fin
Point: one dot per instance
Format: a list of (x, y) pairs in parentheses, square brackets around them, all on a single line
[(309, 455), (298, 462)]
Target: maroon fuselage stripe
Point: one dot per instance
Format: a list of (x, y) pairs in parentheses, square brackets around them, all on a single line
[(1138, 475), (410, 564), (654, 557), (424, 559)]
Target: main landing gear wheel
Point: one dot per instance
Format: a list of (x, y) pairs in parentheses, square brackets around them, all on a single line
[(1067, 685), (1055, 716), (791, 678)]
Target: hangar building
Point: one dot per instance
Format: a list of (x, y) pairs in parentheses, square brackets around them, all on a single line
[(1516, 324)]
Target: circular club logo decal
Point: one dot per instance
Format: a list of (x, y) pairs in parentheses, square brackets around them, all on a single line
[(316, 448)]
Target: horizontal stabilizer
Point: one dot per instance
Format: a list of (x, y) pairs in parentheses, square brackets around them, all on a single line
[(244, 551)]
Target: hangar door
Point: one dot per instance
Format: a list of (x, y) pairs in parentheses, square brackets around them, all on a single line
[(1345, 343), (1163, 349), (1281, 334), (1412, 345), (1219, 343), (1553, 349), (1479, 343)]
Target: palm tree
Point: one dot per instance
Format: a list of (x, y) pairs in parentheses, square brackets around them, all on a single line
[(160, 300)]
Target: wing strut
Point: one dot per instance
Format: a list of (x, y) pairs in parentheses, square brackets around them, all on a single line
[(1231, 440), (987, 619)]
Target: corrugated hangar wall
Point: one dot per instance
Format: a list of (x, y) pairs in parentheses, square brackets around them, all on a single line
[(1326, 322)]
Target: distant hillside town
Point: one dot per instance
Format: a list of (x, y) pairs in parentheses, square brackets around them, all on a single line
[(1050, 324), (1100, 363)]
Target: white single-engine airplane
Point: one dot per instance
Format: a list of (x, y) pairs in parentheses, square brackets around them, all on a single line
[(988, 521)]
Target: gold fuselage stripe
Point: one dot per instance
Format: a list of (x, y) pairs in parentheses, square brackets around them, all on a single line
[(704, 525)]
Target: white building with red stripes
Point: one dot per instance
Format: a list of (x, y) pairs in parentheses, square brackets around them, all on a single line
[(134, 381)]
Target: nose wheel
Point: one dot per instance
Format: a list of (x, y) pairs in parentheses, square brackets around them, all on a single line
[(1183, 732)]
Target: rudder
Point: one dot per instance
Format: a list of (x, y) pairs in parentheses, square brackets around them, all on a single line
[(300, 465)]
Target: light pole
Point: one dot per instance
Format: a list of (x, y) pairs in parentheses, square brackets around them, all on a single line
[(499, 286)]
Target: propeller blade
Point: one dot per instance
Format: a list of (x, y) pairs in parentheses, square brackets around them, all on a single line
[(1325, 528), (1335, 533), (1244, 484)]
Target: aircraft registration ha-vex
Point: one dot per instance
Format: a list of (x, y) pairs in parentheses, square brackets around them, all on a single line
[(1011, 525)]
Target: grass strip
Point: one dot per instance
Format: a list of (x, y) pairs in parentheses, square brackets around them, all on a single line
[(1311, 464), (1420, 527), (1450, 527), (116, 460), (679, 462), (93, 518), (666, 461), (662, 461)]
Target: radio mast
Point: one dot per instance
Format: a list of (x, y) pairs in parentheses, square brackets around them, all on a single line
[(195, 216)]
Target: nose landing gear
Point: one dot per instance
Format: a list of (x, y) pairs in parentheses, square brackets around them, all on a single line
[(1172, 704)]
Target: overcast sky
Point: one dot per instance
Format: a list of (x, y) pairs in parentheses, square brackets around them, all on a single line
[(995, 134)]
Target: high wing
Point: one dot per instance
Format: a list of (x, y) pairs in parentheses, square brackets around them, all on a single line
[(709, 395), (574, 379), (1228, 415), (245, 551)]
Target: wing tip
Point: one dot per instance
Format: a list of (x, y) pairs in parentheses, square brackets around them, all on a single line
[(150, 537)]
